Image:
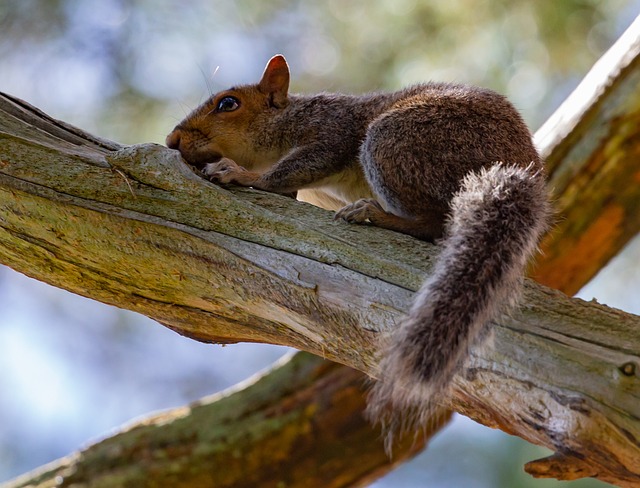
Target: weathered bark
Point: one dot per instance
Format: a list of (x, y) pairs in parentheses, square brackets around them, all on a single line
[(592, 148), (563, 374), (284, 272), (70, 229), (212, 443)]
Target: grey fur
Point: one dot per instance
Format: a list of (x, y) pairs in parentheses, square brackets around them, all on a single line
[(496, 220), (441, 160)]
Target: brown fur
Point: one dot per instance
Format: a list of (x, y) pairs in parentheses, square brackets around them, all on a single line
[(431, 160)]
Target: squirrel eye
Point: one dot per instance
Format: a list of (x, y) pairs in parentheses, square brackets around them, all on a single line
[(228, 104)]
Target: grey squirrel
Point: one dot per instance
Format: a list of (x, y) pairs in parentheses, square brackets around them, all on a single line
[(434, 161)]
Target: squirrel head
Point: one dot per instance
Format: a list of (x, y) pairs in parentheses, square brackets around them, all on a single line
[(231, 123)]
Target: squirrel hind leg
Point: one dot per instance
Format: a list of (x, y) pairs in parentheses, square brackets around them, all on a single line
[(427, 227)]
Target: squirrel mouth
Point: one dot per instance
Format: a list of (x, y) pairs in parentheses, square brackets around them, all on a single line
[(201, 160)]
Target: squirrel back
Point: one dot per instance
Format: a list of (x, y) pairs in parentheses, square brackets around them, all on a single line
[(435, 161)]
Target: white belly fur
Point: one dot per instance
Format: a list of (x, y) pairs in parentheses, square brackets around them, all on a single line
[(338, 190)]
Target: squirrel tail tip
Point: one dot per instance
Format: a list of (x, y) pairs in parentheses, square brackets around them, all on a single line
[(497, 218)]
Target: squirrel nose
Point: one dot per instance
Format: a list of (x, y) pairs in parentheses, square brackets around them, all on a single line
[(173, 140)]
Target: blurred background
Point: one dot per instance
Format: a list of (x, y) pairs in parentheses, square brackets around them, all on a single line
[(71, 369)]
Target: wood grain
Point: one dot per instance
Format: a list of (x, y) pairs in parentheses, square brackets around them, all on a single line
[(134, 227)]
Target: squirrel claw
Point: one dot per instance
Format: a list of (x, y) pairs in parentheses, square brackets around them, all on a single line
[(223, 171), (361, 211)]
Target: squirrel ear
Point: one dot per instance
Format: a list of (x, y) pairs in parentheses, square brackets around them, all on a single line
[(275, 80)]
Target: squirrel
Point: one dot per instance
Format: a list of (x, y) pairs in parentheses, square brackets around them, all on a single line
[(441, 162)]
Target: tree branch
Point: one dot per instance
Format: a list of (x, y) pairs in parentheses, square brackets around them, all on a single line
[(199, 445), (222, 265), (592, 147)]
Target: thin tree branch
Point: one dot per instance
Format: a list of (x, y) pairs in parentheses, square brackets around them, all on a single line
[(283, 430)]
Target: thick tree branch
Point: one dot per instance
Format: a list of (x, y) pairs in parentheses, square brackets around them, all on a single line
[(592, 148), (240, 265), (139, 229)]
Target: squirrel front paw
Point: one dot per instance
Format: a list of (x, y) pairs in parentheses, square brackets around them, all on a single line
[(365, 209), (223, 171)]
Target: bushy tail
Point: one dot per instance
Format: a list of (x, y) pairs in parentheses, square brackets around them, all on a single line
[(497, 218)]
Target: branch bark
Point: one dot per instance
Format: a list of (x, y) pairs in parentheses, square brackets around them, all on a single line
[(592, 147), (279, 432), (134, 227)]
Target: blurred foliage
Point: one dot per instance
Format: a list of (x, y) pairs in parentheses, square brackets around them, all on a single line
[(123, 67), (130, 69)]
